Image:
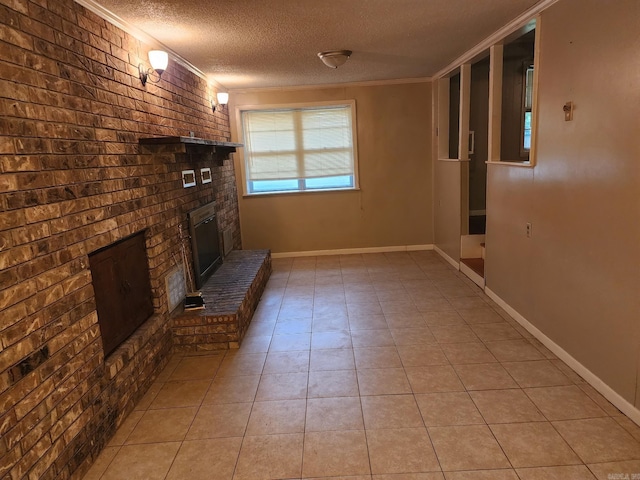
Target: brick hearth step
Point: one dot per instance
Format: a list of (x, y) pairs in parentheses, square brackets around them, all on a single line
[(231, 296)]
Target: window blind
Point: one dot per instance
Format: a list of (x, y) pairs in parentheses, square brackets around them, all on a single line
[(287, 144)]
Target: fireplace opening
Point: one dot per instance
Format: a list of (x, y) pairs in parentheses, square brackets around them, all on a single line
[(120, 275), (205, 242)]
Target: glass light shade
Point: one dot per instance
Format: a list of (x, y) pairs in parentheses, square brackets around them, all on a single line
[(335, 58), (159, 60), (223, 98)]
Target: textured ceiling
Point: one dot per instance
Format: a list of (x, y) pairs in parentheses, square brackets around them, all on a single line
[(273, 43)]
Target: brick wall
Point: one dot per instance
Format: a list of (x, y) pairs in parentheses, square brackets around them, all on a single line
[(72, 181)]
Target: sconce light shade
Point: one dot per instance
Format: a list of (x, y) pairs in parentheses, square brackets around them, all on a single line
[(159, 61), (335, 58), (223, 98)]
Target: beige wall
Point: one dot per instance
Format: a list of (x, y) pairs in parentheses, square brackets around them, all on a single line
[(577, 279), (448, 207), (447, 194), (394, 204)]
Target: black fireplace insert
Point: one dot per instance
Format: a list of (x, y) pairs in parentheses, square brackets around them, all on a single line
[(205, 242)]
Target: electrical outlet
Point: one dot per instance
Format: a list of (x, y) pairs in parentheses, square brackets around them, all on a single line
[(528, 230), (175, 287)]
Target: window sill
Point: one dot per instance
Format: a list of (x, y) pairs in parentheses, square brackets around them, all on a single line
[(512, 164), (300, 192)]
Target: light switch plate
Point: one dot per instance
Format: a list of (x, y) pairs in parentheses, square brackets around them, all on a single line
[(175, 287), (188, 178), (205, 175)]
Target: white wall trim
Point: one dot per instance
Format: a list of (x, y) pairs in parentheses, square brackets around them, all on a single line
[(453, 263), (473, 276), (519, 22), (368, 83), (621, 403), (419, 248), (351, 251), (122, 24)]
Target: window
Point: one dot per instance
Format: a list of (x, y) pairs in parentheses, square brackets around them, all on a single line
[(297, 149), (518, 87), (527, 106)]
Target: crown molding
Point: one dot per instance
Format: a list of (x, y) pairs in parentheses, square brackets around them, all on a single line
[(369, 83), (498, 36), (141, 35)]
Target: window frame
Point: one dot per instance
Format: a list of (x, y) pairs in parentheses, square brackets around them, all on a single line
[(526, 66), (286, 106), (495, 98)]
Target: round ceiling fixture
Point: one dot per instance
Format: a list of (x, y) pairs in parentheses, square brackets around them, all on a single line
[(335, 58)]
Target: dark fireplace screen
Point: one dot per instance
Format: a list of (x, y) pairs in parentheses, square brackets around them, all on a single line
[(205, 242)]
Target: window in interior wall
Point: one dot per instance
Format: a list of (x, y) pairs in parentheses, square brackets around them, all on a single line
[(517, 98), (299, 149), (454, 115), (527, 107)]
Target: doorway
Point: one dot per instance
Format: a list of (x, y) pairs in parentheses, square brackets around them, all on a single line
[(474, 176)]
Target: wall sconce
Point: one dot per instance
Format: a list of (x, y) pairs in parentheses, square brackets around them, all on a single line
[(159, 61), (223, 99)]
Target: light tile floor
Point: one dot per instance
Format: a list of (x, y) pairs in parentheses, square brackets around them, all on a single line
[(380, 366)]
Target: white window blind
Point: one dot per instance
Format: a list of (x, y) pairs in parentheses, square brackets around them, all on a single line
[(285, 147)]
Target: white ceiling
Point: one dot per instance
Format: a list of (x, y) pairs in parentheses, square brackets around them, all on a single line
[(273, 43)]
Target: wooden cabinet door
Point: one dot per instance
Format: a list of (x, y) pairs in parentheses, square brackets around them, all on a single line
[(122, 289)]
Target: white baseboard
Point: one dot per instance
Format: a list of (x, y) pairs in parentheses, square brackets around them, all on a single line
[(475, 278), (351, 251), (621, 403), (455, 264), (419, 248)]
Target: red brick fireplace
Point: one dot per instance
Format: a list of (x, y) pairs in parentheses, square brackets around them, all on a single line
[(73, 180)]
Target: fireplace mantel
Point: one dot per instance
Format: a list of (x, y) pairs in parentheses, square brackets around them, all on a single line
[(193, 146)]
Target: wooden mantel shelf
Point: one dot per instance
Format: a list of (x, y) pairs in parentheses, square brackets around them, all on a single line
[(187, 141), (195, 148)]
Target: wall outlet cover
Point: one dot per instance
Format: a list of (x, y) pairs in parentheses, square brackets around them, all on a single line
[(175, 287)]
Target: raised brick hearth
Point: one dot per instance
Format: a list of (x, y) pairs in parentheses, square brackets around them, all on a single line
[(231, 296)]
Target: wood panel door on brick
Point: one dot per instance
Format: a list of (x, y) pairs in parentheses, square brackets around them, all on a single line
[(122, 288)]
